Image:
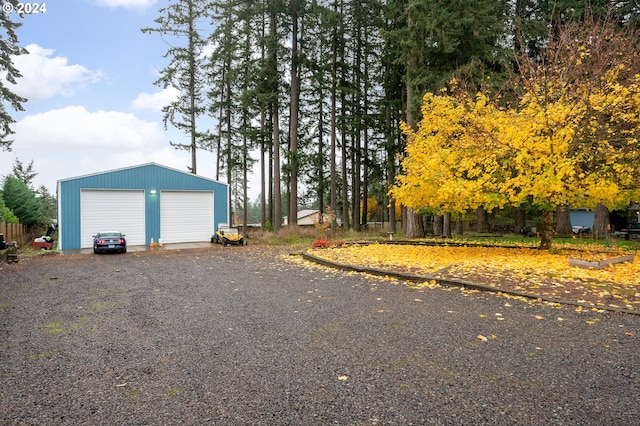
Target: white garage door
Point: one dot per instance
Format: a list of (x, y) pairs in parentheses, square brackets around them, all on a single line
[(110, 210), (186, 216)]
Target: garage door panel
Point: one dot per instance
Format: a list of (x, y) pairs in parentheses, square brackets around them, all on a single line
[(186, 216), (104, 210)]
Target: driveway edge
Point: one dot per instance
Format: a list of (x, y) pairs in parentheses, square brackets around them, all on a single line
[(454, 283)]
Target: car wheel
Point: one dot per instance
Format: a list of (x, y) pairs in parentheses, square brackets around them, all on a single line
[(225, 242), (95, 250)]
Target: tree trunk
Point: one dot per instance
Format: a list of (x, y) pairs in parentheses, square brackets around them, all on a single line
[(482, 223), (459, 227), (333, 190), (601, 224), (277, 199), (220, 121), (446, 226), (263, 124), (563, 221), (344, 187), (365, 135), (519, 221), (293, 119), (390, 167), (413, 228), (547, 229), (355, 184), (437, 225), (414, 225), (357, 115), (192, 86), (245, 194), (263, 182), (232, 193), (321, 182), (392, 215)]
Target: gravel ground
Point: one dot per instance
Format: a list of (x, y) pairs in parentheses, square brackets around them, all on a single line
[(244, 336)]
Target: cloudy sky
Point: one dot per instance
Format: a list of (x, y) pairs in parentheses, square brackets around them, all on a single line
[(92, 103)]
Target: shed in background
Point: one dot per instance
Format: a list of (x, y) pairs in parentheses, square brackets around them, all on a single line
[(143, 202)]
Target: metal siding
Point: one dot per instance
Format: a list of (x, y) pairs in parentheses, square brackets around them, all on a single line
[(582, 218), (186, 216), (153, 215), (144, 177), (221, 206), (69, 215)]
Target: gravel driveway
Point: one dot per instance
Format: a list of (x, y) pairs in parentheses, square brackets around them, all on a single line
[(243, 336)]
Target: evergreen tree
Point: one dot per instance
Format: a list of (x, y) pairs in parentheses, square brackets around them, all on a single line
[(293, 154), (25, 173), (48, 201), (6, 214), (225, 71), (8, 48), (180, 20), (23, 202)]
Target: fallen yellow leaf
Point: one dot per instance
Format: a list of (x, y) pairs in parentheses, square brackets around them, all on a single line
[(481, 338)]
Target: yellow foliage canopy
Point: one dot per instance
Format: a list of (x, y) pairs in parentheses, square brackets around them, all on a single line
[(558, 147)]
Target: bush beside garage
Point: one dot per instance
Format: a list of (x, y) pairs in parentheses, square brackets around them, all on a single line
[(143, 202)]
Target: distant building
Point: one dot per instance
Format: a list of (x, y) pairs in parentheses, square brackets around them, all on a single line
[(306, 218)]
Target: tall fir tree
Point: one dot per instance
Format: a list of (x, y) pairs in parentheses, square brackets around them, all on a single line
[(179, 23), (9, 48)]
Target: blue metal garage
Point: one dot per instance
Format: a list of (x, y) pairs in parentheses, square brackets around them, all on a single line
[(143, 202)]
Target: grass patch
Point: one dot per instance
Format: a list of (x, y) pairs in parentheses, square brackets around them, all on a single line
[(96, 306), (173, 391), (55, 327), (41, 355), (58, 327)]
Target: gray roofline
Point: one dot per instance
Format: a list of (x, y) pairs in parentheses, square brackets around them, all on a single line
[(141, 165)]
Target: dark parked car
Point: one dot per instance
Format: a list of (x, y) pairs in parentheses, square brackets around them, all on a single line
[(107, 241)]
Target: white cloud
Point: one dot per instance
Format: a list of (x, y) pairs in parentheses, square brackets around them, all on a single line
[(74, 127), (127, 4), (45, 76), (155, 101)]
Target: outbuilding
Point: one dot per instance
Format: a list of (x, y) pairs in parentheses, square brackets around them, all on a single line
[(143, 202)]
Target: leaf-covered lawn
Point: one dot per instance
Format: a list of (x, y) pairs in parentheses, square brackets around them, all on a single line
[(534, 272)]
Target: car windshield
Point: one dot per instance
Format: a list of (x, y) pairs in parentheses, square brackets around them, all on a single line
[(229, 230), (109, 234)]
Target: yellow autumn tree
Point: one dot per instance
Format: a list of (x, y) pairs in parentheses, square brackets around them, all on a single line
[(452, 158), (581, 101), (571, 140)]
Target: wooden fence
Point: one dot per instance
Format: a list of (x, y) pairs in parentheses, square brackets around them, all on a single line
[(13, 231)]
